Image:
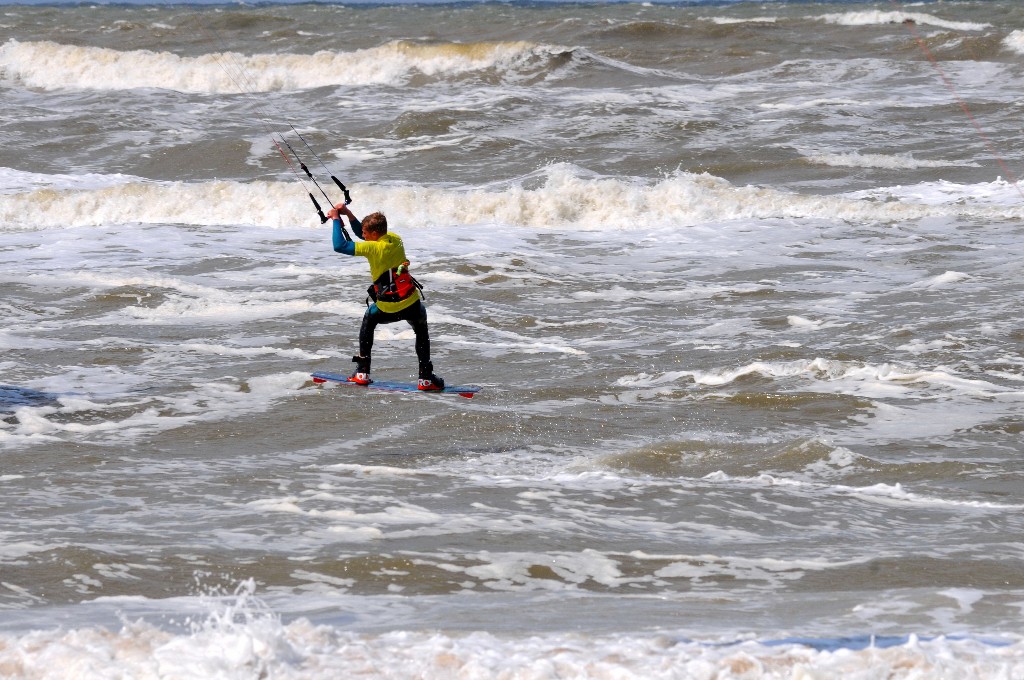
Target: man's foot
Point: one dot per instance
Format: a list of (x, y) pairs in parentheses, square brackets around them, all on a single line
[(362, 374), (431, 384), (360, 378)]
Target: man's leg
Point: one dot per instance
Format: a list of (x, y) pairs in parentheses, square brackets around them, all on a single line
[(416, 315), (371, 318)]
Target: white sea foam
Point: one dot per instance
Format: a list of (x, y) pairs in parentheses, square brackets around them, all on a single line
[(725, 21), (398, 514), (224, 350), (11, 549), (1015, 41), (896, 492), (997, 193), (874, 17), (510, 570), (132, 202), (146, 414), (220, 309), (813, 103), (942, 280), (50, 65), (889, 494), (965, 598), (244, 639), (806, 324), (744, 567), (845, 375), (568, 197), (883, 161)]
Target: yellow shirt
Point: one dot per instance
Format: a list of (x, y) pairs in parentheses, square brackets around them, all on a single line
[(386, 253)]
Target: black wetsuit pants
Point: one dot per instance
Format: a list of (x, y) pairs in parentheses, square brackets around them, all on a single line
[(415, 314)]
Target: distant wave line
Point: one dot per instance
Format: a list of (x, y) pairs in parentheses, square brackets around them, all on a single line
[(49, 65), (567, 198)]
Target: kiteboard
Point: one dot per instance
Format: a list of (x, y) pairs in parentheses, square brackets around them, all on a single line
[(466, 391)]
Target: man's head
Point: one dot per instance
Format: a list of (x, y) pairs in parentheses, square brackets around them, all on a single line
[(375, 225)]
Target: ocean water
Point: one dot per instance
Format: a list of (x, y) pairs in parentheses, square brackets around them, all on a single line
[(741, 283)]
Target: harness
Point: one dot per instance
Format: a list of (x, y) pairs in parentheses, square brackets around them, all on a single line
[(394, 285)]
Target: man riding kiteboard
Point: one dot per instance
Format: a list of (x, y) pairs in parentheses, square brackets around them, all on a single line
[(395, 293)]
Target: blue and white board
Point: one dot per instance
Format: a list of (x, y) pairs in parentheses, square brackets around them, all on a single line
[(466, 391)]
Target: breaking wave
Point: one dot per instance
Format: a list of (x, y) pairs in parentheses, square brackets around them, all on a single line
[(242, 637), (49, 65), (875, 17), (882, 161), (564, 196)]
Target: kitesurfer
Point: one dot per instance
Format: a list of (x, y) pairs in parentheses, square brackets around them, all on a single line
[(395, 293)]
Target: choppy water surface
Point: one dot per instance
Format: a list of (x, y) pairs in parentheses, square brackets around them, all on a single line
[(741, 284)]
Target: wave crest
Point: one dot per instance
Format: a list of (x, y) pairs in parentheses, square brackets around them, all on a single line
[(876, 17), (1015, 42), (560, 196), (49, 65)]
